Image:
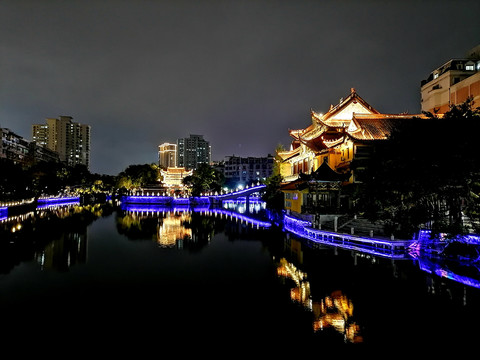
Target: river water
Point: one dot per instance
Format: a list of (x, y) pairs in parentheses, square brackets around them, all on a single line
[(131, 281)]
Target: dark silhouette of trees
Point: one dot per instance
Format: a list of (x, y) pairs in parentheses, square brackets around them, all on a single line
[(48, 178), (137, 176), (426, 173), (204, 179), (272, 196)]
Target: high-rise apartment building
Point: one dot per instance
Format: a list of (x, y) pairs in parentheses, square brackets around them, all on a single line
[(69, 139), (452, 83), (193, 151), (167, 155)]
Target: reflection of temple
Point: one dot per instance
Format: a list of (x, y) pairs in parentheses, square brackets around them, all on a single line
[(172, 229), (334, 311), (301, 293)]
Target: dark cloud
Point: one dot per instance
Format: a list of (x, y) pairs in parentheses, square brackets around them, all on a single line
[(241, 73)]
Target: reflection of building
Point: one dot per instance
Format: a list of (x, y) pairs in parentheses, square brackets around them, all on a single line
[(193, 151), (452, 83), (173, 176), (69, 139), (335, 311), (172, 229), (167, 155)]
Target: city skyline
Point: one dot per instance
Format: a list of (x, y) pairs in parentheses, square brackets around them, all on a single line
[(239, 73)]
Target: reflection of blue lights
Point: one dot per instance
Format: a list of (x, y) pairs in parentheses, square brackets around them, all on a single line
[(3, 213), (247, 219), (439, 270), (156, 209)]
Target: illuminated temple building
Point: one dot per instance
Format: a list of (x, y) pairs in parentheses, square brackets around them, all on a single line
[(173, 176), (319, 160)]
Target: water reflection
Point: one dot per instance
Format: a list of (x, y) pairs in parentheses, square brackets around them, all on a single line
[(188, 227), (53, 235), (334, 311), (172, 229)]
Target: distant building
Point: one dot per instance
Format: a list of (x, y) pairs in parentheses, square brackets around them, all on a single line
[(69, 139), (167, 155), (21, 151), (452, 83), (247, 170), (193, 151), (14, 147)]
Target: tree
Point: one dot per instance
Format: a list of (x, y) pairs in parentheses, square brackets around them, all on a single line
[(136, 176), (204, 179), (425, 173), (272, 196)]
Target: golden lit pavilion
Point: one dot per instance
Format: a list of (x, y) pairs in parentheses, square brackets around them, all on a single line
[(326, 148)]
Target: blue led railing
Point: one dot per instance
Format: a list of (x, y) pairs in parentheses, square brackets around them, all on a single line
[(374, 246), (245, 191), (58, 200), (155, 199)]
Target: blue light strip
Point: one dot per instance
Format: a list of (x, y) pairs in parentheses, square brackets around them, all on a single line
[(397, 249), (151, 199), (56, 203), (58, 200), (148, 199)]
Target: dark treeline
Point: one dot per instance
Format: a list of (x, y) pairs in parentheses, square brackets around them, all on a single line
[(48, 178), (426, 174)]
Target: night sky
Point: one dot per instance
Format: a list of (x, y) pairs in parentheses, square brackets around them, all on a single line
[(240, 73)]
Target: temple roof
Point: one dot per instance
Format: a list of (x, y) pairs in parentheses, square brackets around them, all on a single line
[(326, 173), (285, 155), (338, 116), (341, 114), (375, 126)]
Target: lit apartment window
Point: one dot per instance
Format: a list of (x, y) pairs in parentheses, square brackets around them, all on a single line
[(470, 67)]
